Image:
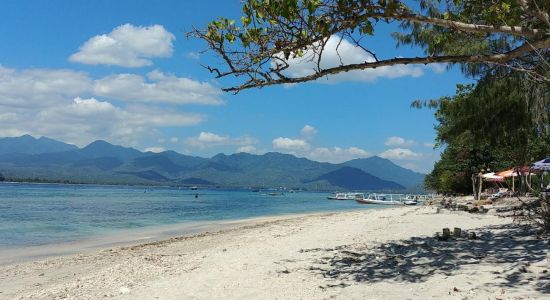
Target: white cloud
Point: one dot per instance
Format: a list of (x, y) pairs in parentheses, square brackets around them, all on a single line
[(438, 68), (155, 149), (301, 147), (174, 140), (83, 120), (400, 154), (337, 154), (8, 117), (399, 141), (82, 107), (308, 131), (283, 143), (247, 149), (67, 105), (158, 87), (33, 88), (209, 139), (126, 46), (337, 53)]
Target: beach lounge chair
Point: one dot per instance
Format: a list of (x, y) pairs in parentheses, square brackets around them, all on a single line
[(502, 192)]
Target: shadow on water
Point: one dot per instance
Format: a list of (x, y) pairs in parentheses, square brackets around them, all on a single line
[(510, 249)]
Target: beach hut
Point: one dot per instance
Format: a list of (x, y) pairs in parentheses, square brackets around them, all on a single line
[(492, 177), (488, 177), (543, 166), (513, 173)]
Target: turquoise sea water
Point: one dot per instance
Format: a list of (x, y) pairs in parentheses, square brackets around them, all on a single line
[(46, 214)]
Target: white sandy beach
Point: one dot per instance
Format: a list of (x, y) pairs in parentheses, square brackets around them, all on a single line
[(375, 254)]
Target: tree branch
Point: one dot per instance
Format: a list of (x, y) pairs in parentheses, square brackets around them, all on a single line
[(468, 27), (536, 11), (498, 59)]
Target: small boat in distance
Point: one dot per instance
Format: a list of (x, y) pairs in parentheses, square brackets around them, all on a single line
[(345, 196), (194, 188)]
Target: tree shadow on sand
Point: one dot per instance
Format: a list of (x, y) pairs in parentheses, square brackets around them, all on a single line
[(510, 249)]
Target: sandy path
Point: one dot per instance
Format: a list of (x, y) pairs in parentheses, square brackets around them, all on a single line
[(378, 254)]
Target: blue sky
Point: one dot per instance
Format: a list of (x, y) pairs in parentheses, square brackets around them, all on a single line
[(123, 71)]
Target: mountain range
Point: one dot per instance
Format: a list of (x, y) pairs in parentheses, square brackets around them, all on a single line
[(27, 158)]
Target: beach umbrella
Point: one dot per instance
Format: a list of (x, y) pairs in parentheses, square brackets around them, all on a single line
[(507, 173), (513, 173), (543, 165), (492, 177)]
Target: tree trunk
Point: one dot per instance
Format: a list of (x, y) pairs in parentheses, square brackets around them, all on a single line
[(474, 185), (480, 187)]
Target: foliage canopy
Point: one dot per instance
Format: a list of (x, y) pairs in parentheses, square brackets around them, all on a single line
[(484, 37), (489, 126)]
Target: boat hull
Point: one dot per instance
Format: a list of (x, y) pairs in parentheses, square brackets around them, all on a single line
[(345, 196), (339, 198), (382, 202)]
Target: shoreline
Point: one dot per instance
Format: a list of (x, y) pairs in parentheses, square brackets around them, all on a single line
[(383, 254), (137, 236)]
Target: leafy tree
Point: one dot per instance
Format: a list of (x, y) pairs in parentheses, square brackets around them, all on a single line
[(452, 174), (489, 126), (2, 178), (484, 37)]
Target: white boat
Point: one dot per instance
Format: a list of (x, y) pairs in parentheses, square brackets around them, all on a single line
[(345, 196), (411, 200), (379, 199)]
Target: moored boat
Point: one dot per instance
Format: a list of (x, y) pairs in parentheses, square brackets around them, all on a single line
[(345, 196), (378, 199), (411, 200)]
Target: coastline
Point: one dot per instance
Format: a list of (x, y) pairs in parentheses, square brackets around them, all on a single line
[(381, 254), (137, 236)]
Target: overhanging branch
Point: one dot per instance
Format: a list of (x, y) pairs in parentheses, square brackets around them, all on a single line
[(497, 59)]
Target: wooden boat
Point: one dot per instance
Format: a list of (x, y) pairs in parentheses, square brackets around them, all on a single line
[(345, 196), (411, 200), (377, 199)]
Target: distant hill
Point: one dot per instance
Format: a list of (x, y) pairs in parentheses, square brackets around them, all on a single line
[(104, 149), (356, 179), (102, 162), (157, 162), (197, 181), (27, 144), (387, 170)]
